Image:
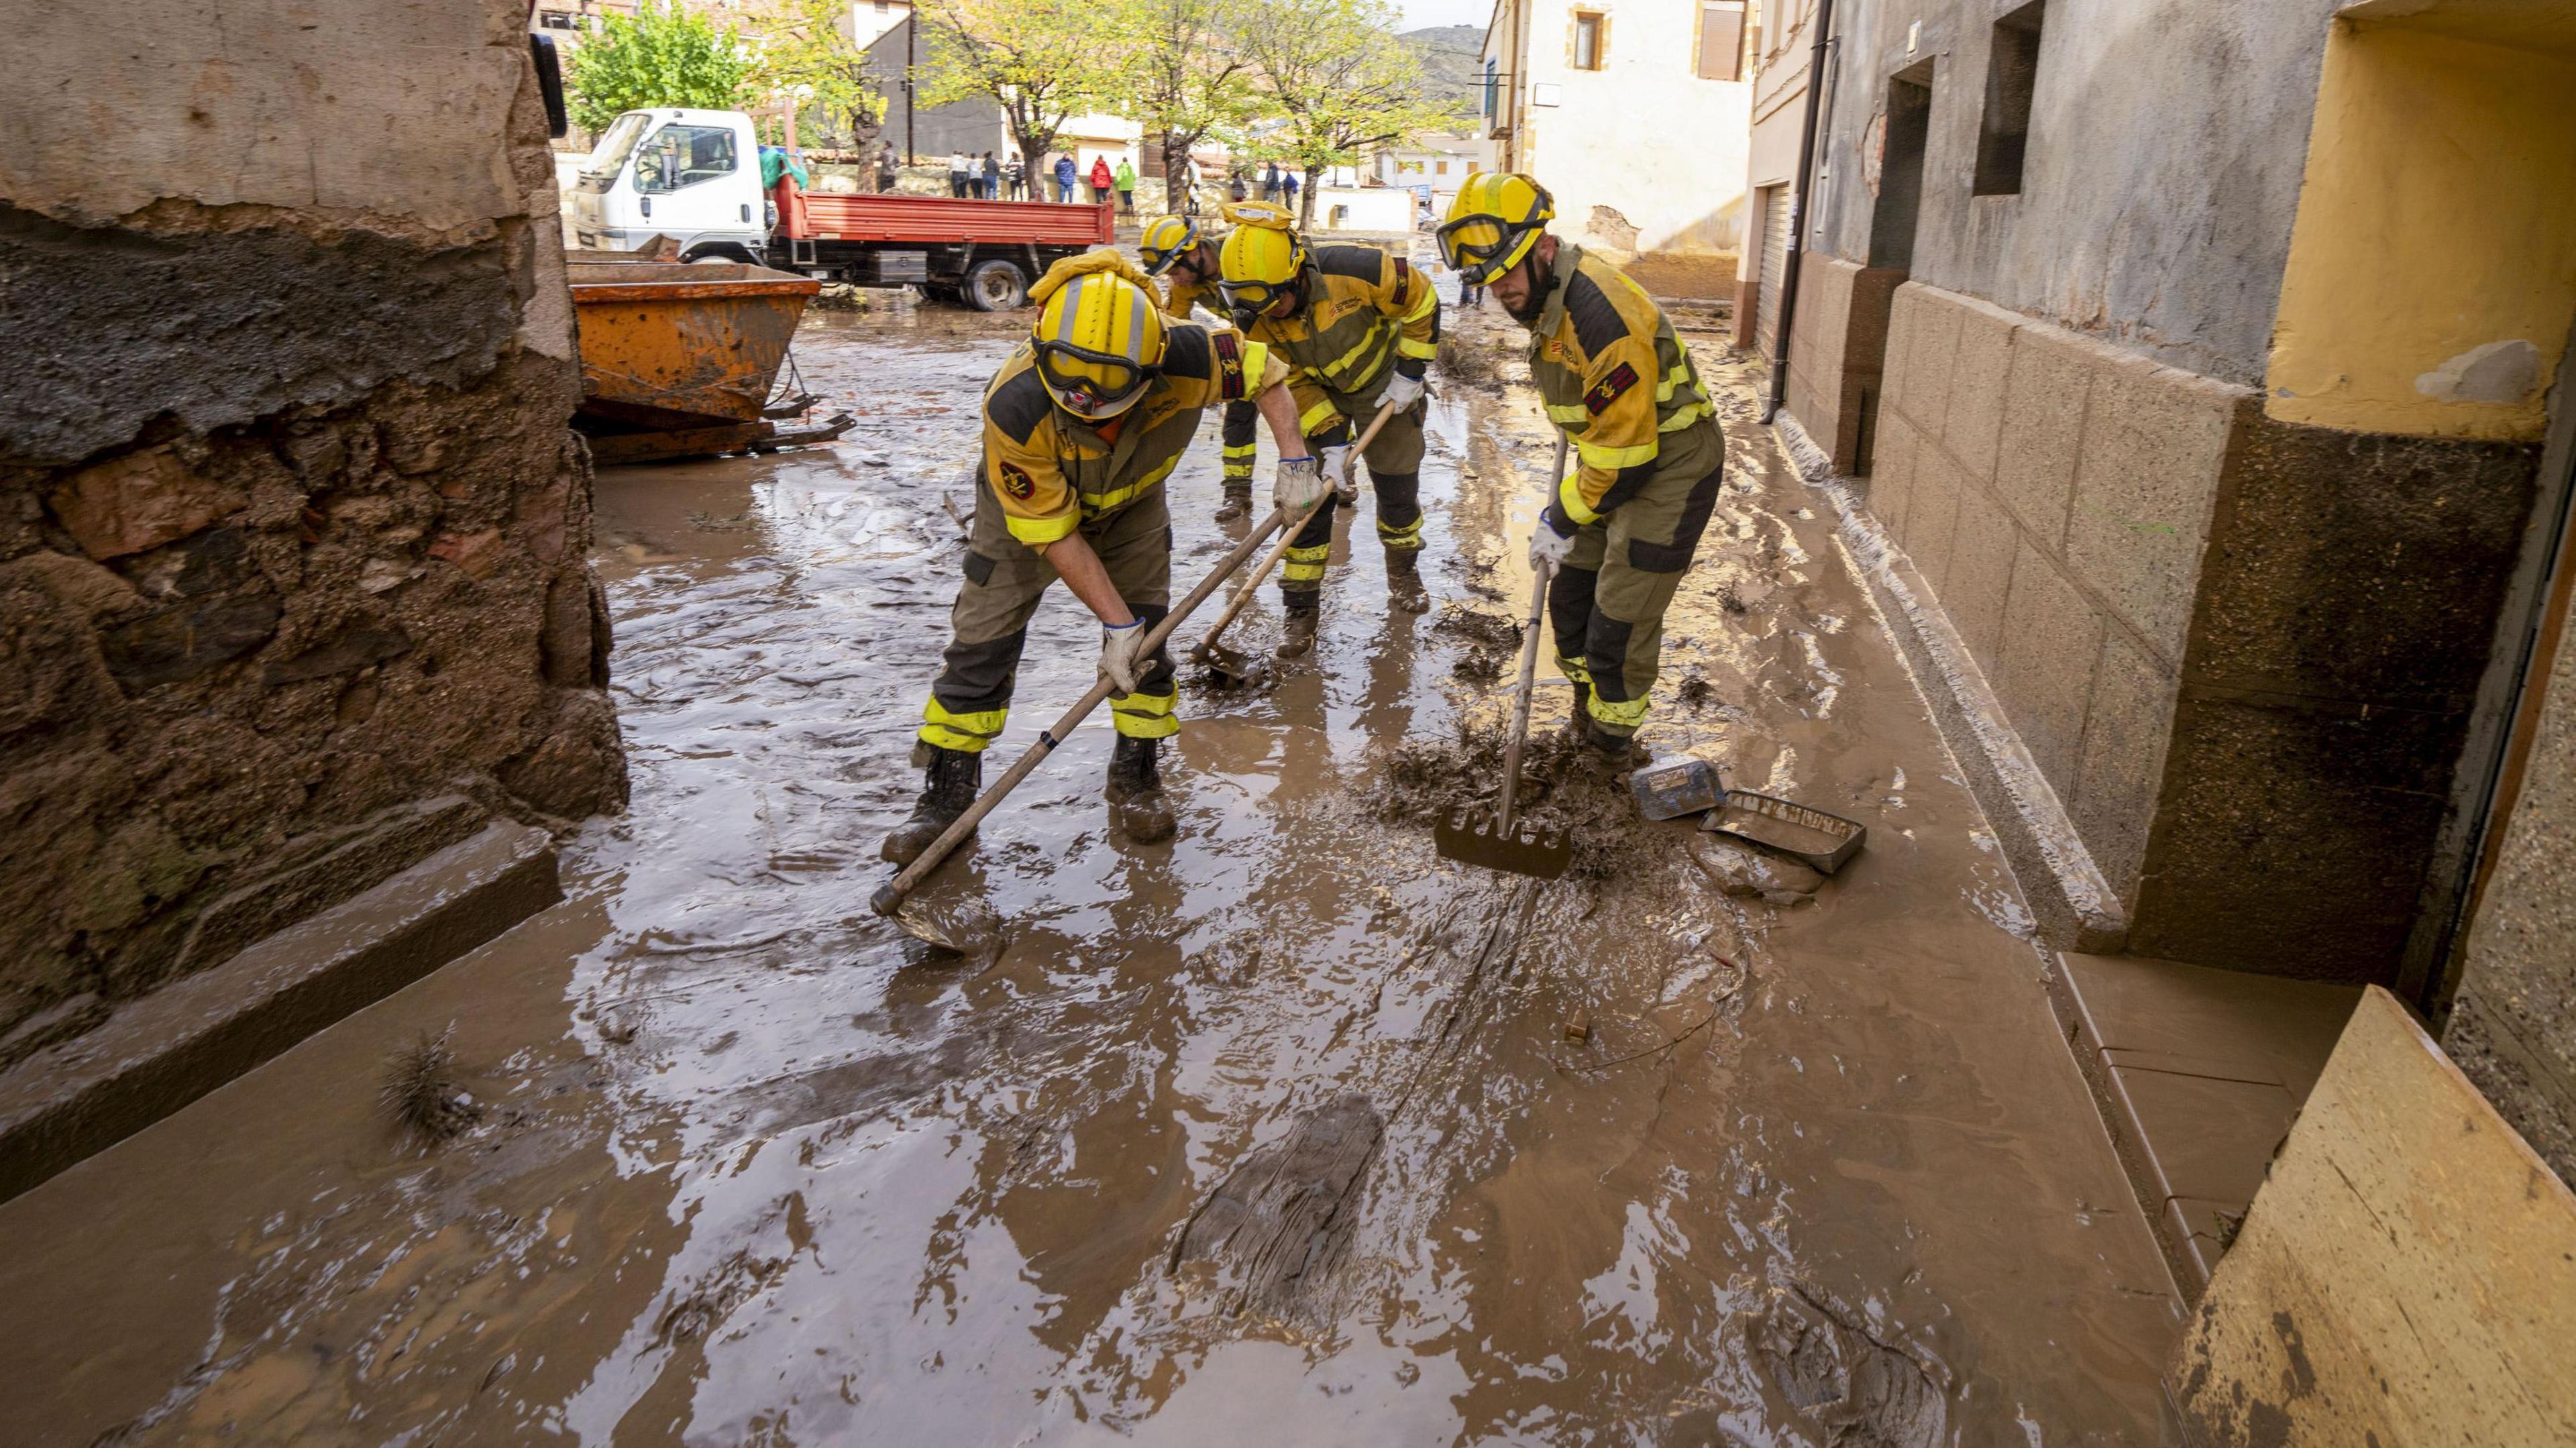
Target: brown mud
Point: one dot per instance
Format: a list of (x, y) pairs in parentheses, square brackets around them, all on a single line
[(1286, 1131)]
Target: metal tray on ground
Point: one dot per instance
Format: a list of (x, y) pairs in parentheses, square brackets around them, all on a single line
[(1822, 840)]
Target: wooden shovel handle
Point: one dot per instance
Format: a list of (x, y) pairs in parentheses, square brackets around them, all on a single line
[(1529, 661)]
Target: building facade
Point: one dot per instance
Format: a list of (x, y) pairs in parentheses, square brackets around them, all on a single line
[(1633, 113), (2232, 473)]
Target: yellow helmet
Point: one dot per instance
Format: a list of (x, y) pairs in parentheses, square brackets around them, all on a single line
[(1099, 336), (1495, 220), (1262, 258), (1166, 240)]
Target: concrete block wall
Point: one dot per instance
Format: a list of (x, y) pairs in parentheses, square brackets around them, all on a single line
[(293, 532), (2056, 493), (1838, 337)]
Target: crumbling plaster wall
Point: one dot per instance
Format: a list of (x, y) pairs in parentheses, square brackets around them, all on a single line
[(2168, 139), (292, 529)]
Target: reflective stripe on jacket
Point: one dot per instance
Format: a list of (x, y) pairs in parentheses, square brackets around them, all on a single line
[(1616, 379), (1363, 310)]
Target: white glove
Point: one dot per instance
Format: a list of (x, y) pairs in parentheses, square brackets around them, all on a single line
[(1297, 485), (1401, 392), (1338, 471), (1548, 548), (1118, 643)]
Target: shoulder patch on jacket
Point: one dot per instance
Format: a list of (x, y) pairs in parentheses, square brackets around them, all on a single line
[(1185, 351), (1017, 482), (1607, 390), (1403, 281), (1364, 263), (1597, 323), (1231, 383), (1019, 405)]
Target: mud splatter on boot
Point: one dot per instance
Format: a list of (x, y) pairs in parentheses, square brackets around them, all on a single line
[(1135, 792), (1404, 590), (1238, 501), (1297, 629), (950, 782), (1578, 724)]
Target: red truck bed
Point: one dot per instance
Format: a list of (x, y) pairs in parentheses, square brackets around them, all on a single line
[(930, 220)]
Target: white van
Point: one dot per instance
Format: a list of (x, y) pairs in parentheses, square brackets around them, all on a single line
[(690, 175)]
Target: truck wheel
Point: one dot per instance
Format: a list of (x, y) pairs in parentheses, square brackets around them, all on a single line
[(720, 254), (996, 286)]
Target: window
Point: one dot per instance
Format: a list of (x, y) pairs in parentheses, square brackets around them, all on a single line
[(1439, 168), (553, 20), (2012, 71), (1493, 78), (680, 156), (1591, 34), (1721, 40)]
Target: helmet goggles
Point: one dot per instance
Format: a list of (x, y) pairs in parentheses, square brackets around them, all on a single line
[(1483, 246), (1092, 385)]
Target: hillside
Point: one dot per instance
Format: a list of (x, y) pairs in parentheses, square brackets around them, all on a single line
[(1451, 72)]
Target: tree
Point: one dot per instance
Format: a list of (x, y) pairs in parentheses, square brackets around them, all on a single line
[(1342, 81), (1042, 61), (1189, 77), (806, 57), (662, 55)]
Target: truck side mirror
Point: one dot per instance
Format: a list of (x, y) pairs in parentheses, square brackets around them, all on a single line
[(541, 50)]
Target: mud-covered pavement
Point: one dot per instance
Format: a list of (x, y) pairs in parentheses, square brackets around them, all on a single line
[(1285, 1131)]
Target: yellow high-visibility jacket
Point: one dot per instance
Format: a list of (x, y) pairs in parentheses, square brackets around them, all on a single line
[(1365, 314), (1053, 472), (1178, 298), (1616, 379)]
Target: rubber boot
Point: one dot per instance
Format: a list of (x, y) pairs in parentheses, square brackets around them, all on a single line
[(1578, 725), (1238, 500), (949, 784), (1404, 581), (1297, 629), (1135, 792)]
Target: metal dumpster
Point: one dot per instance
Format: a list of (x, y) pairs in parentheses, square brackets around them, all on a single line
[(681, 359)]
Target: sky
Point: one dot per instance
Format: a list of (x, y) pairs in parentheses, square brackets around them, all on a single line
[(1421, 13)]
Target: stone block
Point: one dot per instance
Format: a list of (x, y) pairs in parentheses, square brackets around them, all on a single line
[(2052, 643), (353, 647), (1932, 514), (2155, 441), (194, 637), (1930, 354), (2050, 377), (1982, 547), (1978, 374), (1891, 481), (1904, 316), (137, 502), (2126, 728)]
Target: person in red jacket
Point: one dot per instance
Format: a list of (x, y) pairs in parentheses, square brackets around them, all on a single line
[(1100, 180)]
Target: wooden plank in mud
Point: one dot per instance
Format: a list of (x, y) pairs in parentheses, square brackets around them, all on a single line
[(2407, 1274), (1283, 1216)]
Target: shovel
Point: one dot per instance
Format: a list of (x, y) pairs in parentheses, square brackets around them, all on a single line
[(1233, 667), (949, 933), (1499, 839)]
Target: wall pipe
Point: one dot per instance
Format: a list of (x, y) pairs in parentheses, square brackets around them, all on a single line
[(1798, 207)]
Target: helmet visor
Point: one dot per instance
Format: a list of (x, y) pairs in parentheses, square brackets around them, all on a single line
[(1159, 259), (1482, 247), (1251, 299), (1090, 384)]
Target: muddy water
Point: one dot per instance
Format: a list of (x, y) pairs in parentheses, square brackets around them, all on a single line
[(1286, 1131)]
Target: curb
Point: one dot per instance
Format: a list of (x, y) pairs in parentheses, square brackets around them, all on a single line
[(158, 1053), (2075, 906)]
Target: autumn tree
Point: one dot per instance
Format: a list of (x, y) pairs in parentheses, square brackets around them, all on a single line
[(1342, 83), (808, 59), (662, 55), (1189, 77), (1042, 61)]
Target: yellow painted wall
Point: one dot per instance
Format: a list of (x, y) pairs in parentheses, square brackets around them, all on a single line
[(2436, 230)]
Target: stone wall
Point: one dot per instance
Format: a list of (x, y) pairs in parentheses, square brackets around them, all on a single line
[(292, 529), (1838, 339), (2242, 652)]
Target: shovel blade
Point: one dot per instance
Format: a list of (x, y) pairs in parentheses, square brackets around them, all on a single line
[(1475, 837), (1231, 668)]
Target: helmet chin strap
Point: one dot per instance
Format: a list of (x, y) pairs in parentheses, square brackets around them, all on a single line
[(1537, 291)]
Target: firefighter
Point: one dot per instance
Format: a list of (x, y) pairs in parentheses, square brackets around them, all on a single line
[(1180, 251), (1359, 329), (1081, 426), (1623, 525)]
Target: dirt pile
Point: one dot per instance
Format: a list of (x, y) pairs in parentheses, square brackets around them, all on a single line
[(1493, 644), (1564, 786)]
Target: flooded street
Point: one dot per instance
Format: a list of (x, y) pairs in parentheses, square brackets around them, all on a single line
[(1285, 1131)]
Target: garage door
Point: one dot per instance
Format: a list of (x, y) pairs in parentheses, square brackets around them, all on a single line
[(1775, 259)]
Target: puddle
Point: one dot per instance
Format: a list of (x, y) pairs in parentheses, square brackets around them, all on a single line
[(1280, 1132)]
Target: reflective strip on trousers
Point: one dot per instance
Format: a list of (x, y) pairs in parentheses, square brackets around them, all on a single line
[(1406, 538), (1145, 716), (1573, 670), (1305, 565), (967, 733), (1623, 716)]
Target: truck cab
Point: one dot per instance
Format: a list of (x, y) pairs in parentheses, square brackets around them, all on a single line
[(690, 175)]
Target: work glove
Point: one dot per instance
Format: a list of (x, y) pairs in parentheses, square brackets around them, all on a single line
[(1118, 644), (1297, 485), (1401, 392), (1552, 541), (1340, 470)]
